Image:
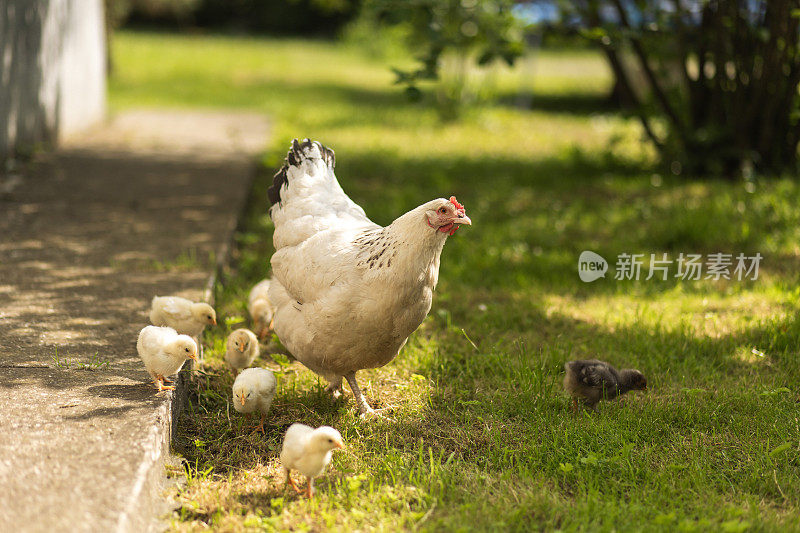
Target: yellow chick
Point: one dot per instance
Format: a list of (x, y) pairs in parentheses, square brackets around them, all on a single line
[(184, 316), (309, 451), (241, 349), (163, 352), (253, 390), (260, 308)]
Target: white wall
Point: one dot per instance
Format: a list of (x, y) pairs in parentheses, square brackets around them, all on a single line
[(52, 70)]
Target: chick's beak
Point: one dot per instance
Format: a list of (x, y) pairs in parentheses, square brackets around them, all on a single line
[(193, 356), (241, 346), (213, 321), (340, 445), (241, 399)]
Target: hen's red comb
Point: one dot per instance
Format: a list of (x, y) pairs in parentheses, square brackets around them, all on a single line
[(455, 203)]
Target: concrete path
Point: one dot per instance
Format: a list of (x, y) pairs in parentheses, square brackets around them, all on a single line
[(145, 205)]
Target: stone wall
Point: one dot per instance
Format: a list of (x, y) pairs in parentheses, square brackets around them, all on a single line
[(52, 70)]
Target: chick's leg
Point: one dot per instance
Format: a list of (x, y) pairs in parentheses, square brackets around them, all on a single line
[(160, 384), (310, 488), (290, 481)]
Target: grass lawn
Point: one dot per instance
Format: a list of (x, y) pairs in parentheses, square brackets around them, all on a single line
[(482, 437)]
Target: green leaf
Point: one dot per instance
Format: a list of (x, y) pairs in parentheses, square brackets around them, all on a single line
[(735, 526), (413, 93), (779, 390), (664, 519), (230, 320), (780, 449), (281, 359)]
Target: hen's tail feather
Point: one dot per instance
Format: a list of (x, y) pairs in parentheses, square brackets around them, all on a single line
[(297, 154)]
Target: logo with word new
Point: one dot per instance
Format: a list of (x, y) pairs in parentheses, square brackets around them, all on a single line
[(591, 266)]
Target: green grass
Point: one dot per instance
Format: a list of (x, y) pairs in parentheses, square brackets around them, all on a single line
[(483, 438)]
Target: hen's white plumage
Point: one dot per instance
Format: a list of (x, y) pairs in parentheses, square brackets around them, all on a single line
[(348, 292), (184, 316), (241, 349), (254, 390), (163, 352), (260, 308), (308, 451)]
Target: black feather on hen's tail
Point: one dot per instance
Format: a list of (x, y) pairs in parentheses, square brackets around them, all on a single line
[(297, 153)]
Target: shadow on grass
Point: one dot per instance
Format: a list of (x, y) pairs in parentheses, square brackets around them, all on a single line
[(568, 103)]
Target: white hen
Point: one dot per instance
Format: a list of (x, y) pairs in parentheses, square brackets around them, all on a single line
[(241, 349), (163, 352), (260, 308), (184, 316), (308, 451), (254, 390), (348, 292)]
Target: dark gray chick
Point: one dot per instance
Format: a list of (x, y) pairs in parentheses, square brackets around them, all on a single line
[(591, 380)]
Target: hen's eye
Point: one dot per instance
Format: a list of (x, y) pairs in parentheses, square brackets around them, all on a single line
[(443, 210)]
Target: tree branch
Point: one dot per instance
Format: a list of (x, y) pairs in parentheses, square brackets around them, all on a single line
[(658, 92)]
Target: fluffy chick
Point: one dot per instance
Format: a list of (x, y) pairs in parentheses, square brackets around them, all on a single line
[(241, 349), (163, 352), (591, 380), (185, 316), (309, 451), (254, 390), (260, 308)]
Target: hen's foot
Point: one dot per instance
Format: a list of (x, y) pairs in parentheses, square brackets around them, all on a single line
[(363, 407), (335, 389), (374, 414)]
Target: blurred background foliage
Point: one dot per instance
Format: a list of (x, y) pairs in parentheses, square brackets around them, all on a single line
[(285, 17), (713, 83)]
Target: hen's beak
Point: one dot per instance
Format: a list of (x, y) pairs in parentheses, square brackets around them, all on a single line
[(462, 219)]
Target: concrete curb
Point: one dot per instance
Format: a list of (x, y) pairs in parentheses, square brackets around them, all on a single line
[(91, 233), (151, 482)]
